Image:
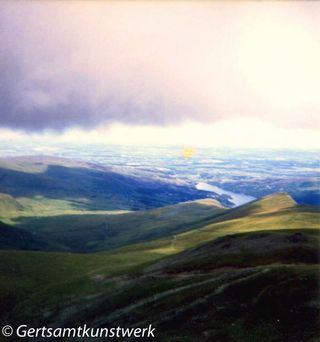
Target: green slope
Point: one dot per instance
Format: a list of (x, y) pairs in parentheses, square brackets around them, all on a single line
[(250, 274), (9, 205), (273, 300), (169, 229), (255, 216), (247, 250), (95, 232), (271, 203)]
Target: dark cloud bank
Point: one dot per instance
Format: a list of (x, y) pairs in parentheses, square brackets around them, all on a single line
[(48, 78)]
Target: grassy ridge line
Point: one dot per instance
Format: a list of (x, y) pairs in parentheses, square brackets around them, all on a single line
[(289, 216), (90, 233)]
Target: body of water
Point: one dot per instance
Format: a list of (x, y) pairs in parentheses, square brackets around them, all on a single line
[(235, 198)]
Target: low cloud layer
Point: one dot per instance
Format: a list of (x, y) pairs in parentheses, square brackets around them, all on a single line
[(91, 64)]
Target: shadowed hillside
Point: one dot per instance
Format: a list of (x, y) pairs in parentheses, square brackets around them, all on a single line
[(15, 238)]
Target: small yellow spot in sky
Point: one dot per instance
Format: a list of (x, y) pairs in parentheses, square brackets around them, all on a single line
[(188, 152)]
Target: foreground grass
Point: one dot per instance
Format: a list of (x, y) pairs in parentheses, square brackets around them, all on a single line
[(261, 303), (51, 280)]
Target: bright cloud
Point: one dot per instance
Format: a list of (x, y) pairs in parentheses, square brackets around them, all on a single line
[(91, 64), (235, 133)]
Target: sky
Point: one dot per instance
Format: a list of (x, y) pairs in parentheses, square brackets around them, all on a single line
[(234, 74)]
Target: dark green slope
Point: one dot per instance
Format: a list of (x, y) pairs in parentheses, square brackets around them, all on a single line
[(267, 298), (259, 287), (247, 250), (15, 238)]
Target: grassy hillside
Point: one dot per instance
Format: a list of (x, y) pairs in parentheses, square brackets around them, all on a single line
[(13, 210), (271, 203), (9, 205), (169, 229), (245, 274), (94, 232), (263, 300), (248, 250), (254, 216)]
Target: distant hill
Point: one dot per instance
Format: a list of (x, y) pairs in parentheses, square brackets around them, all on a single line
[(87, 186)]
